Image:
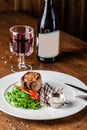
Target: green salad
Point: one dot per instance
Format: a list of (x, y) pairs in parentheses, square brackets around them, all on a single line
[(18, 98)]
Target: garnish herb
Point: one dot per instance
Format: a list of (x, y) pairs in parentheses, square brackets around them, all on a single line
[(21, 99)]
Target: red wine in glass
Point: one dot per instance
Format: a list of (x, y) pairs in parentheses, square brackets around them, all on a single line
[(21, 44)]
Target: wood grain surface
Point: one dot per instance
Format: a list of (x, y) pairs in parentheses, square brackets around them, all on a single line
[(72, 13), (72, 60)]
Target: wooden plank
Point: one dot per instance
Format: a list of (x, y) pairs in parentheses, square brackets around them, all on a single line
[(72, 13), (72, 60), (6, 6), (83, 33)]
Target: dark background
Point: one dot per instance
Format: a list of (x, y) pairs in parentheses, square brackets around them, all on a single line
[(72, 13)]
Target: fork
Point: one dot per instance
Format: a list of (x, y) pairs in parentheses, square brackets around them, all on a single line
[(84, 97)]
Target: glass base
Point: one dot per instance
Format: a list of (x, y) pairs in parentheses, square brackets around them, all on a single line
[(21, 68)]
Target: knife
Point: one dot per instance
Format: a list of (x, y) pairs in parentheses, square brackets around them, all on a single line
[(81, 89)]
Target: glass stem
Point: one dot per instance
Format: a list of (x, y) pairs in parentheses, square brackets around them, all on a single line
[(21, 61)]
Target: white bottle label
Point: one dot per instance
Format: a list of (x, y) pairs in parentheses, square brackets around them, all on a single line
[(48, 44)]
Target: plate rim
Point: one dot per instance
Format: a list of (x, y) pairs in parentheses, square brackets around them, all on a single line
[(45, 71)]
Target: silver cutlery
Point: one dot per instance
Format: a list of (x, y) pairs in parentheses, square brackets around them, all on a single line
[(76, 87), (57, 100), (84, 97)]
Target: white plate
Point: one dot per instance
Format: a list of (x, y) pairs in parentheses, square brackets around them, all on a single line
[(55, 79)]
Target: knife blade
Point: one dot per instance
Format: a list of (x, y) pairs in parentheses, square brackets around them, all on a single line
[(76, 87)]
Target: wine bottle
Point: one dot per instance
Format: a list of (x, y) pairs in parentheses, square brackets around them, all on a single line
[(48, 34)]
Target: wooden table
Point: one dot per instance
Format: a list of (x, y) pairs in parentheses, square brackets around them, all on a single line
[(72, 60)]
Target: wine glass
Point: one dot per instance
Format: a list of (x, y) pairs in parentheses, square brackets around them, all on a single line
[(21, 44)]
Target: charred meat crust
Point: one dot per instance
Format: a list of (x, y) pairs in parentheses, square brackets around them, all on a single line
[(32, 80)]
